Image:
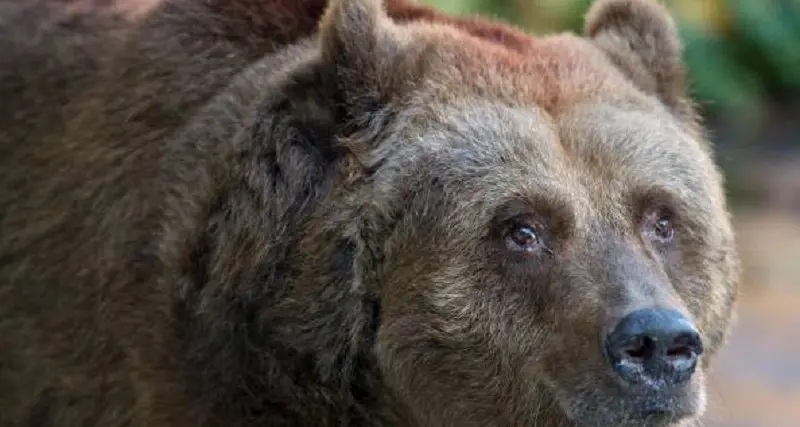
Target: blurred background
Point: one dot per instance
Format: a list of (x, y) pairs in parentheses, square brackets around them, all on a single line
[(743, 59)]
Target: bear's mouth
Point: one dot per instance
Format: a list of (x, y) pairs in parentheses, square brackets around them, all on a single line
[(614, 407), (666, 408)]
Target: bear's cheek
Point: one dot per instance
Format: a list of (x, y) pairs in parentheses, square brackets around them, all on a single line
[(458, 348)]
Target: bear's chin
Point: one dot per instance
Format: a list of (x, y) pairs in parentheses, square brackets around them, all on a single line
[(595, 408)]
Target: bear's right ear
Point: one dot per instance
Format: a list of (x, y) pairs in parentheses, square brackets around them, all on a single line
[(640, 37), (359, 43)]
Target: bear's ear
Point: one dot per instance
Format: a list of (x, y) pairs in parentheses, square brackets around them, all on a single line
[(358, 40), (640, 37)]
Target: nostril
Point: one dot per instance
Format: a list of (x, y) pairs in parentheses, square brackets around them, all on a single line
[(686, 346), (679, 350), (641, 348), (682, 347)]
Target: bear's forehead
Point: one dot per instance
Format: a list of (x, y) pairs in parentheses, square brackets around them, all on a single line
[(562, 93), (595, 152), (557, 117), (552, 72), (594, 141)]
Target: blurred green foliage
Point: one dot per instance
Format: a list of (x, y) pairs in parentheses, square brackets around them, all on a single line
[(743, 56)]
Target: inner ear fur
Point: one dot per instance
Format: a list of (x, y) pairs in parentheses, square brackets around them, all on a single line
[(641, 38)]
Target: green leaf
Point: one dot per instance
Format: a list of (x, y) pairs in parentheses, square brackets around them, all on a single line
[(762, 25), (717, 80)]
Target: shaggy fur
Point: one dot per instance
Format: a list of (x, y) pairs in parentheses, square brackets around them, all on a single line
[(291, 213)]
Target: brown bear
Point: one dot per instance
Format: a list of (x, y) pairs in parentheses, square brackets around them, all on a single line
[(275, 213)]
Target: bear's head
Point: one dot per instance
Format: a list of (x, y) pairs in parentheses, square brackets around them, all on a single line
[(543, 227)]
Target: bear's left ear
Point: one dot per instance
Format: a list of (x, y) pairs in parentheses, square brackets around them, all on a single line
[(640, 37), (360, 47)]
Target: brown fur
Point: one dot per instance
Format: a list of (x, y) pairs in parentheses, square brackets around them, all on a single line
[(282, 213)]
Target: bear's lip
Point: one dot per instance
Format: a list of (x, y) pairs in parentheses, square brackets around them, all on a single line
[(662, 407), (656, 415), (656, 408), (666, 407)]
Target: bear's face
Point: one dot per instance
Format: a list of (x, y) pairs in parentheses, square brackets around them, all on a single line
[(552, 230), (523, 238)]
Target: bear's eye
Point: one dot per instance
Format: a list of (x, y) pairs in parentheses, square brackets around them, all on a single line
[(659, 226), (663, 229), (523, 237)]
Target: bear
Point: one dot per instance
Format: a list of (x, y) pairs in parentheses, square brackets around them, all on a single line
[(354, 212)]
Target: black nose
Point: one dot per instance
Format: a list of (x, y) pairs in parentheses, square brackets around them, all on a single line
[(654, 347)]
